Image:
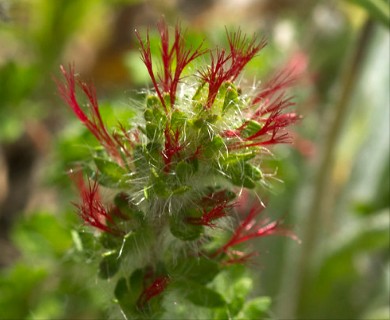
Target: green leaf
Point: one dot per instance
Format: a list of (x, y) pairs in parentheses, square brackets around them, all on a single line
[(159, 184), (199, 269), (122, 290), (183, 230), (152, 154), (136, 282), (110, 173), (128, 291), (19, 287), (184, 171), (240, 289), (42, 233), (128, 209), (127, 298), (204, 297), (243, 174), (199, 294), (140, 160), (148, 115), (234, 285), (255, 309), (84, 243), (109, 265), (110, 241), (135, 242)]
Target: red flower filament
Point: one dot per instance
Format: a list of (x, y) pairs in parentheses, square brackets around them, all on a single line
[(207, 217), (174, 59), (249, 228), (171, 147), (91, 209), (94, 123), (227, 66)]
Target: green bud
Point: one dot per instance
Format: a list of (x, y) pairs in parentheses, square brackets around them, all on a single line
[(153, 132), (214, 147), (148, 115), (253, 172), (184, 171), (231, 99), (181, 190), (243, 174), (251, 128), (109, 265), (153, 102), (178, 119)]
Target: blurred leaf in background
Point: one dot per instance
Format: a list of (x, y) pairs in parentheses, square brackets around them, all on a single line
[(48, 281), (349, 271)]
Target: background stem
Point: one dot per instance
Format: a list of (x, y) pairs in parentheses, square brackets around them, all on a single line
[(298, 274)]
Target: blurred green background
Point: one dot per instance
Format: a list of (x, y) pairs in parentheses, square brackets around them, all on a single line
[(335, 190)]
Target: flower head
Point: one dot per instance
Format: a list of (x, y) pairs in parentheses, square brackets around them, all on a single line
[(177, 171)]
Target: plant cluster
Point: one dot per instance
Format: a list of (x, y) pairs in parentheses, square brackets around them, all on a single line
[(173, 224)]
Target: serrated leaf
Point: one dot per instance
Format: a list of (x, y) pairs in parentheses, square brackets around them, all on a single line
[(233, 283)]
